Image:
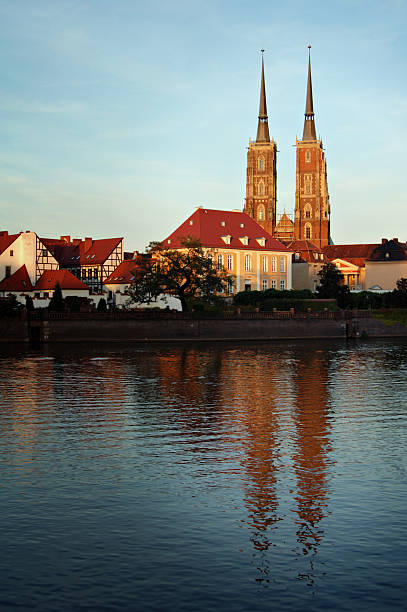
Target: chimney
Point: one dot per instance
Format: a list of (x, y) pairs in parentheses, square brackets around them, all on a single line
[(76, 241), (395, 239), (384, 240), (65, 238), (88, 244), (5, 233)]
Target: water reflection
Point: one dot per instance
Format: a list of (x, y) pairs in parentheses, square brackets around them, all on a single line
[(234, 448)]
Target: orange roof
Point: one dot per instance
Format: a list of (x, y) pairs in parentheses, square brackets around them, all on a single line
[(124, 273), (306, 250), (6, 240), (355, 253), (19, 281), (223, 229), (74, 254), (65, 279)]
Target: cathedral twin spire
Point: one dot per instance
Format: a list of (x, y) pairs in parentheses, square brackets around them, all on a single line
[(309, 132)]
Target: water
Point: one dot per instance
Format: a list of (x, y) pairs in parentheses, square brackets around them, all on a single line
[(262, 477)]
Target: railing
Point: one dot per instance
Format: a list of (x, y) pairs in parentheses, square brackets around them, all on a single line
[(244, 315)]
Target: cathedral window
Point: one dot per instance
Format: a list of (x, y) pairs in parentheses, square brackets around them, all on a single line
[(230, 262), (274, 263), (307, 188), (220, 261), (261, 164), (260, 189), (282, 264), (260, 212), (307, 156), (307, 211), (248, 263), (307, 231)]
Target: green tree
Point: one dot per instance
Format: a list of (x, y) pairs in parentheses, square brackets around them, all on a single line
[(185, 273), (57, 301), (402, 285), (331, 284)]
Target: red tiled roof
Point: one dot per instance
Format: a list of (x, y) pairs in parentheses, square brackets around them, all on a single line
[(208, 226), (355, 253), (123, 274), (306, 250), (6, 240), (19, 281), (71, 254), (65, 279)]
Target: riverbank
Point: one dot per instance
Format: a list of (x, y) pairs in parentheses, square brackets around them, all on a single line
[(110, 327)]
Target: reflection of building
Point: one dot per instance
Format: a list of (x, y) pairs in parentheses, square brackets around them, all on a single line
[(311, 458)]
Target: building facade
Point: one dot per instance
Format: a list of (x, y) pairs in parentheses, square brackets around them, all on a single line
[(261, 180), (312, 208), (251, 257)]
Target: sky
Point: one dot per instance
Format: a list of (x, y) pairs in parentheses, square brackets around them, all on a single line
[(119, 117)]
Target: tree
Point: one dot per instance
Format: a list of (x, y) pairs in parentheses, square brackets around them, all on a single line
[(102, 306), (402, 285), (57, 301), (331, 284), (29, 304), (186, 273)]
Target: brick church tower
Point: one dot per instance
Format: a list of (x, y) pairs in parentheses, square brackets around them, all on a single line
[(312, 211), (261, 182)]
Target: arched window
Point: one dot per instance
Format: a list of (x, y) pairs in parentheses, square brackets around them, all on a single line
[(274, 263), (230, 262), (308, 211), (220, 261), (282, 264), (261, 164), (307, 231), (248, 263), (260, 213), (260, 189), (307, 156), (264, 263)]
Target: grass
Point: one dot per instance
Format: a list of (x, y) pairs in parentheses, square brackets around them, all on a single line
[(391, 317)]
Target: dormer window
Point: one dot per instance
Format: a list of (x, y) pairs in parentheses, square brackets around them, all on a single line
[(261, 241), (244, 240), (191, 222), (223, 223), (242, 225), (387, 255), (226, 239), (169, 240), (297, 256)]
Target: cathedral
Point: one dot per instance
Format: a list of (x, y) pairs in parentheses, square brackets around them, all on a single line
[(312, 212)]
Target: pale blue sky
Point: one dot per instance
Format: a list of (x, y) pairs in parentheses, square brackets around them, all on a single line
[(118, 117)]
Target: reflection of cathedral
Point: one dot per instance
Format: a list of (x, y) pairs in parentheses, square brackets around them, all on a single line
[(312, 210)]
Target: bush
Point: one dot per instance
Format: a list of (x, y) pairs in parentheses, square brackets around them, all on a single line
[(102, 306), (9, 306)]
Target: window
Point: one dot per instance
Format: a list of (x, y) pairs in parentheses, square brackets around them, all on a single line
[(230, 262), (226, 239), (242, 225), (244, 240), (307, 231), (191, 222), (8, 271), (261, 164), (274, 263), (307, 188), (11, 253), (230, 285), (210, 256), (282, 264), (297, 256), (265, 284), (247, 285), (260, 213), (264, 263), (260, 189), (95, 273), (44, 252), (169, 241), (273, 283), (315, 255), (248, 263), (223, 223), (321, 256), (307, 211), (282, 285), (307, 156), (45, 294), (220, 261)]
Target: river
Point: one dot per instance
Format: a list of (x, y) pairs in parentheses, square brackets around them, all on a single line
[(197, 477)]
